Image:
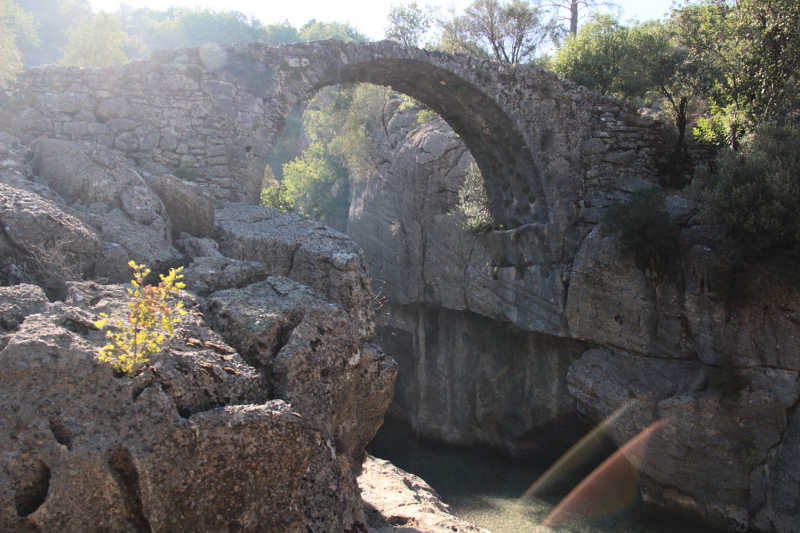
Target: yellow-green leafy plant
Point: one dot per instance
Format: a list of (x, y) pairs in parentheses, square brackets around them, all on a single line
[(149, 323)]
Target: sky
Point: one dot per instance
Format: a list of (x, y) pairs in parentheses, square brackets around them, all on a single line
[(368, 16)]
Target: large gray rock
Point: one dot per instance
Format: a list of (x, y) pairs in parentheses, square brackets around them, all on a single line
[(210, 274), (469, 380), (149, 245), (612, 302), (18, 302), (709, 449), (316, 357), (91, 174), (306, 251), (396, 500), (189, 207)]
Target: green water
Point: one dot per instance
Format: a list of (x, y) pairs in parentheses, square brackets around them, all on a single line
[(484, 488)]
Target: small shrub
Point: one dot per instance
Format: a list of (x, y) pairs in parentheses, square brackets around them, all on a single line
[(473, 209), (277, 196), (728, 380), (645, 228), (53, 265), (748, 451), (423, 116), (150, 321), (184, 174)]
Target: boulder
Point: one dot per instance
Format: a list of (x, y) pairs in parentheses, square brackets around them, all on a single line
[(397, 500), (189, 207), (191, 442), (306, 251), (194, 247), (210, 274), (87, 173), (710, 447), (19, 301), (150, 245)]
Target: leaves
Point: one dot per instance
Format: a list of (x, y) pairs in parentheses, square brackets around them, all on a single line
[(150, 321)]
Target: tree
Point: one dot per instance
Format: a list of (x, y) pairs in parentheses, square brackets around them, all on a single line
[(318, 185), (658, 63), (281, 33), (16, 28), (318, 31), (597, 56), (510, 31), (754, 47), (52, 17), (97, 44), (575, 10), (408, 24)]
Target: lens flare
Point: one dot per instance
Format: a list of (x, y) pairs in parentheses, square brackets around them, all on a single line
[(611, 489), (579, 458)]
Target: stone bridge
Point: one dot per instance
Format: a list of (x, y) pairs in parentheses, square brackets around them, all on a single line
[(543, 144)]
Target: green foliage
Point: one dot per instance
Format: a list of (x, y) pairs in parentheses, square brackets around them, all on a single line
[(408, 24), (183, 27), (318, 185), (289, 146), (752, 49), (17, 29), (748, 451), (507, 30), (185, 174), (277, 196), (755, 193), (474, 209), (149, 323), (728, 380), (645, 228), (98, 43), (340, 31), (281, 33), (423, 116), (597, 56)]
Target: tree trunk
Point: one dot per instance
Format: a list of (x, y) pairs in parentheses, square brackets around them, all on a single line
[(573, 18), (681, 127)]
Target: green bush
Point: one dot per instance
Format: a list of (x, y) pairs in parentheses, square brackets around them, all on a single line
[(277, 197), (423, 116), (646, 229), (473, 210), (730, 381), (755, 192)]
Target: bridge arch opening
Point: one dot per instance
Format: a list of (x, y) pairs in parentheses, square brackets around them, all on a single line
[(511, 173)]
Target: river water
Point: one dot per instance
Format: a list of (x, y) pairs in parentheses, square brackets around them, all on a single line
[(485, 488)]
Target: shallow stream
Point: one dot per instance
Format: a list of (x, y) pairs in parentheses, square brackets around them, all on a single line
[(484, 488)]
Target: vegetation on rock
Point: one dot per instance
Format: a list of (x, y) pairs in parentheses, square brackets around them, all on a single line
[(150, 322), (473, 210), (645, 228)]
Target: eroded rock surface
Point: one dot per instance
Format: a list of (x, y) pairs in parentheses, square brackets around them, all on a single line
[(191, 442), (395, 500)]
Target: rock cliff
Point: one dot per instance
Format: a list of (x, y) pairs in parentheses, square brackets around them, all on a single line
[(484, 327)]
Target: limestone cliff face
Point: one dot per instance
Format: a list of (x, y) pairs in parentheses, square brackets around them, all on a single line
[(484, 326)]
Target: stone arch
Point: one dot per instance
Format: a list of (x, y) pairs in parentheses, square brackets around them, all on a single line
[(505, 159), (456, 89)]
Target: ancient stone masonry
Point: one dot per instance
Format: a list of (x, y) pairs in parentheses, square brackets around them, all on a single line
[(542, 143)]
